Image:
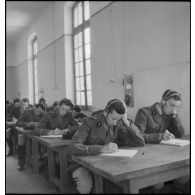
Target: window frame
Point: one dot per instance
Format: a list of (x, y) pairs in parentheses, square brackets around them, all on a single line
[(34, 57), (76, 30)]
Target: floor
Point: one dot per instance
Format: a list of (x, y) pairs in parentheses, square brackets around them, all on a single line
[(25, 181)]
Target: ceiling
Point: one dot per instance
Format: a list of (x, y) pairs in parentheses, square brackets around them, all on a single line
[(20, 15)]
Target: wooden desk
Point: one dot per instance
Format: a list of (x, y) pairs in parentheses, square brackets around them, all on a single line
[(61, 147), (154, 163), (29, 138)]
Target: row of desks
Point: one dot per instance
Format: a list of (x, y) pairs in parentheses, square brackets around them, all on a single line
[(152, 164)]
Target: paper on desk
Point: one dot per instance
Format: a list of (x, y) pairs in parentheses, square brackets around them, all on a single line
[(122, 153), (51, 136), (175, 142)]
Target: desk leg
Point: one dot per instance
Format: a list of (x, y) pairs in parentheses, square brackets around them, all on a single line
[(133, 188), (51, 164), (35, 154), (98, 184), (63, 158)]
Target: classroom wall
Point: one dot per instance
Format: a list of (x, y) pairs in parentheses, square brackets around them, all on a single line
[(150, 40), (50, 30), (10, 71)]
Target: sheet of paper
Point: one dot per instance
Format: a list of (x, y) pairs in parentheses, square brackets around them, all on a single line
[(122, 153), (176, 142), (51, 136)]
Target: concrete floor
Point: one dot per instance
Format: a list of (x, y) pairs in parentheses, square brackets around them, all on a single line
[(25, 182)]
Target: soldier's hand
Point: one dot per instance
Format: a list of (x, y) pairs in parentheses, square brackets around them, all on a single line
[(109, 148), (167, 135)]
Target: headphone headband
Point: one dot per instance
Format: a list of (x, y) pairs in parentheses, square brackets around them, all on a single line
[(169, 94), (111, 102)]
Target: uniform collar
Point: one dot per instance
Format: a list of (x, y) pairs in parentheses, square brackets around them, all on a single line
[(157, 107)]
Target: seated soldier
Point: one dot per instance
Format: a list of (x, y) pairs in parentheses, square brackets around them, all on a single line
[(160, 121), (100, 134), (42, 101), (78, 115), (12, 114), (58, 122), (28, 120)]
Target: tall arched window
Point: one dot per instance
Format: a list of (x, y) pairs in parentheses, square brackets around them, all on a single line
[(35, 72), (82, 53)]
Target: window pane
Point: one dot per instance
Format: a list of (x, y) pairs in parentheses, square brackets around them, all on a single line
[(78, 101), (76, 55), (89, 98), (78, 84), (77, 70), (80, 13), (82, 83), (81, 54), (75, 17), (81, 68), (80, 39), (87, 35), (87, 51), (86, 6), (88, 66), (76, 41), (89, 82), (82, 98)]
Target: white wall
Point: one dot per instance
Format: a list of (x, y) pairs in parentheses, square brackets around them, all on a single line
[(150, 40), (50, 33)]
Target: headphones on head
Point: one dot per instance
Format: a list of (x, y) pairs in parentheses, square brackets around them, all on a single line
[(170, 94), (109, 104)]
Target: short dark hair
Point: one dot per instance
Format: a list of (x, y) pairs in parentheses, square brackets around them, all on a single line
[(168, 94), (116, 105), (76, 108), (25, 100), (40, 105), (16, 100), (66, 102), (42, 99)]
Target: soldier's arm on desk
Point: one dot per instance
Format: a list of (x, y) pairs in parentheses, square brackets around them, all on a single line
[(141, 121), (79, 138), (176, 127)]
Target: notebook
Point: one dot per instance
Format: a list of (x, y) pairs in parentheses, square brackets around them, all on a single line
[(175, 142), (122, 153), (51, 136)]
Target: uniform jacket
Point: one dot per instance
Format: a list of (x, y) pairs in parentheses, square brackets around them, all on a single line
[(53, 120), (94, 133), (152, 122), (27, 116)]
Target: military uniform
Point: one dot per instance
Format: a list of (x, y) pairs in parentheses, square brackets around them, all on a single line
[(152, 122), (26, 117), (53, 120), (94, 133)]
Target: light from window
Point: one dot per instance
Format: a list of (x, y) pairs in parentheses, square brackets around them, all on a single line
[(82, 53)]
